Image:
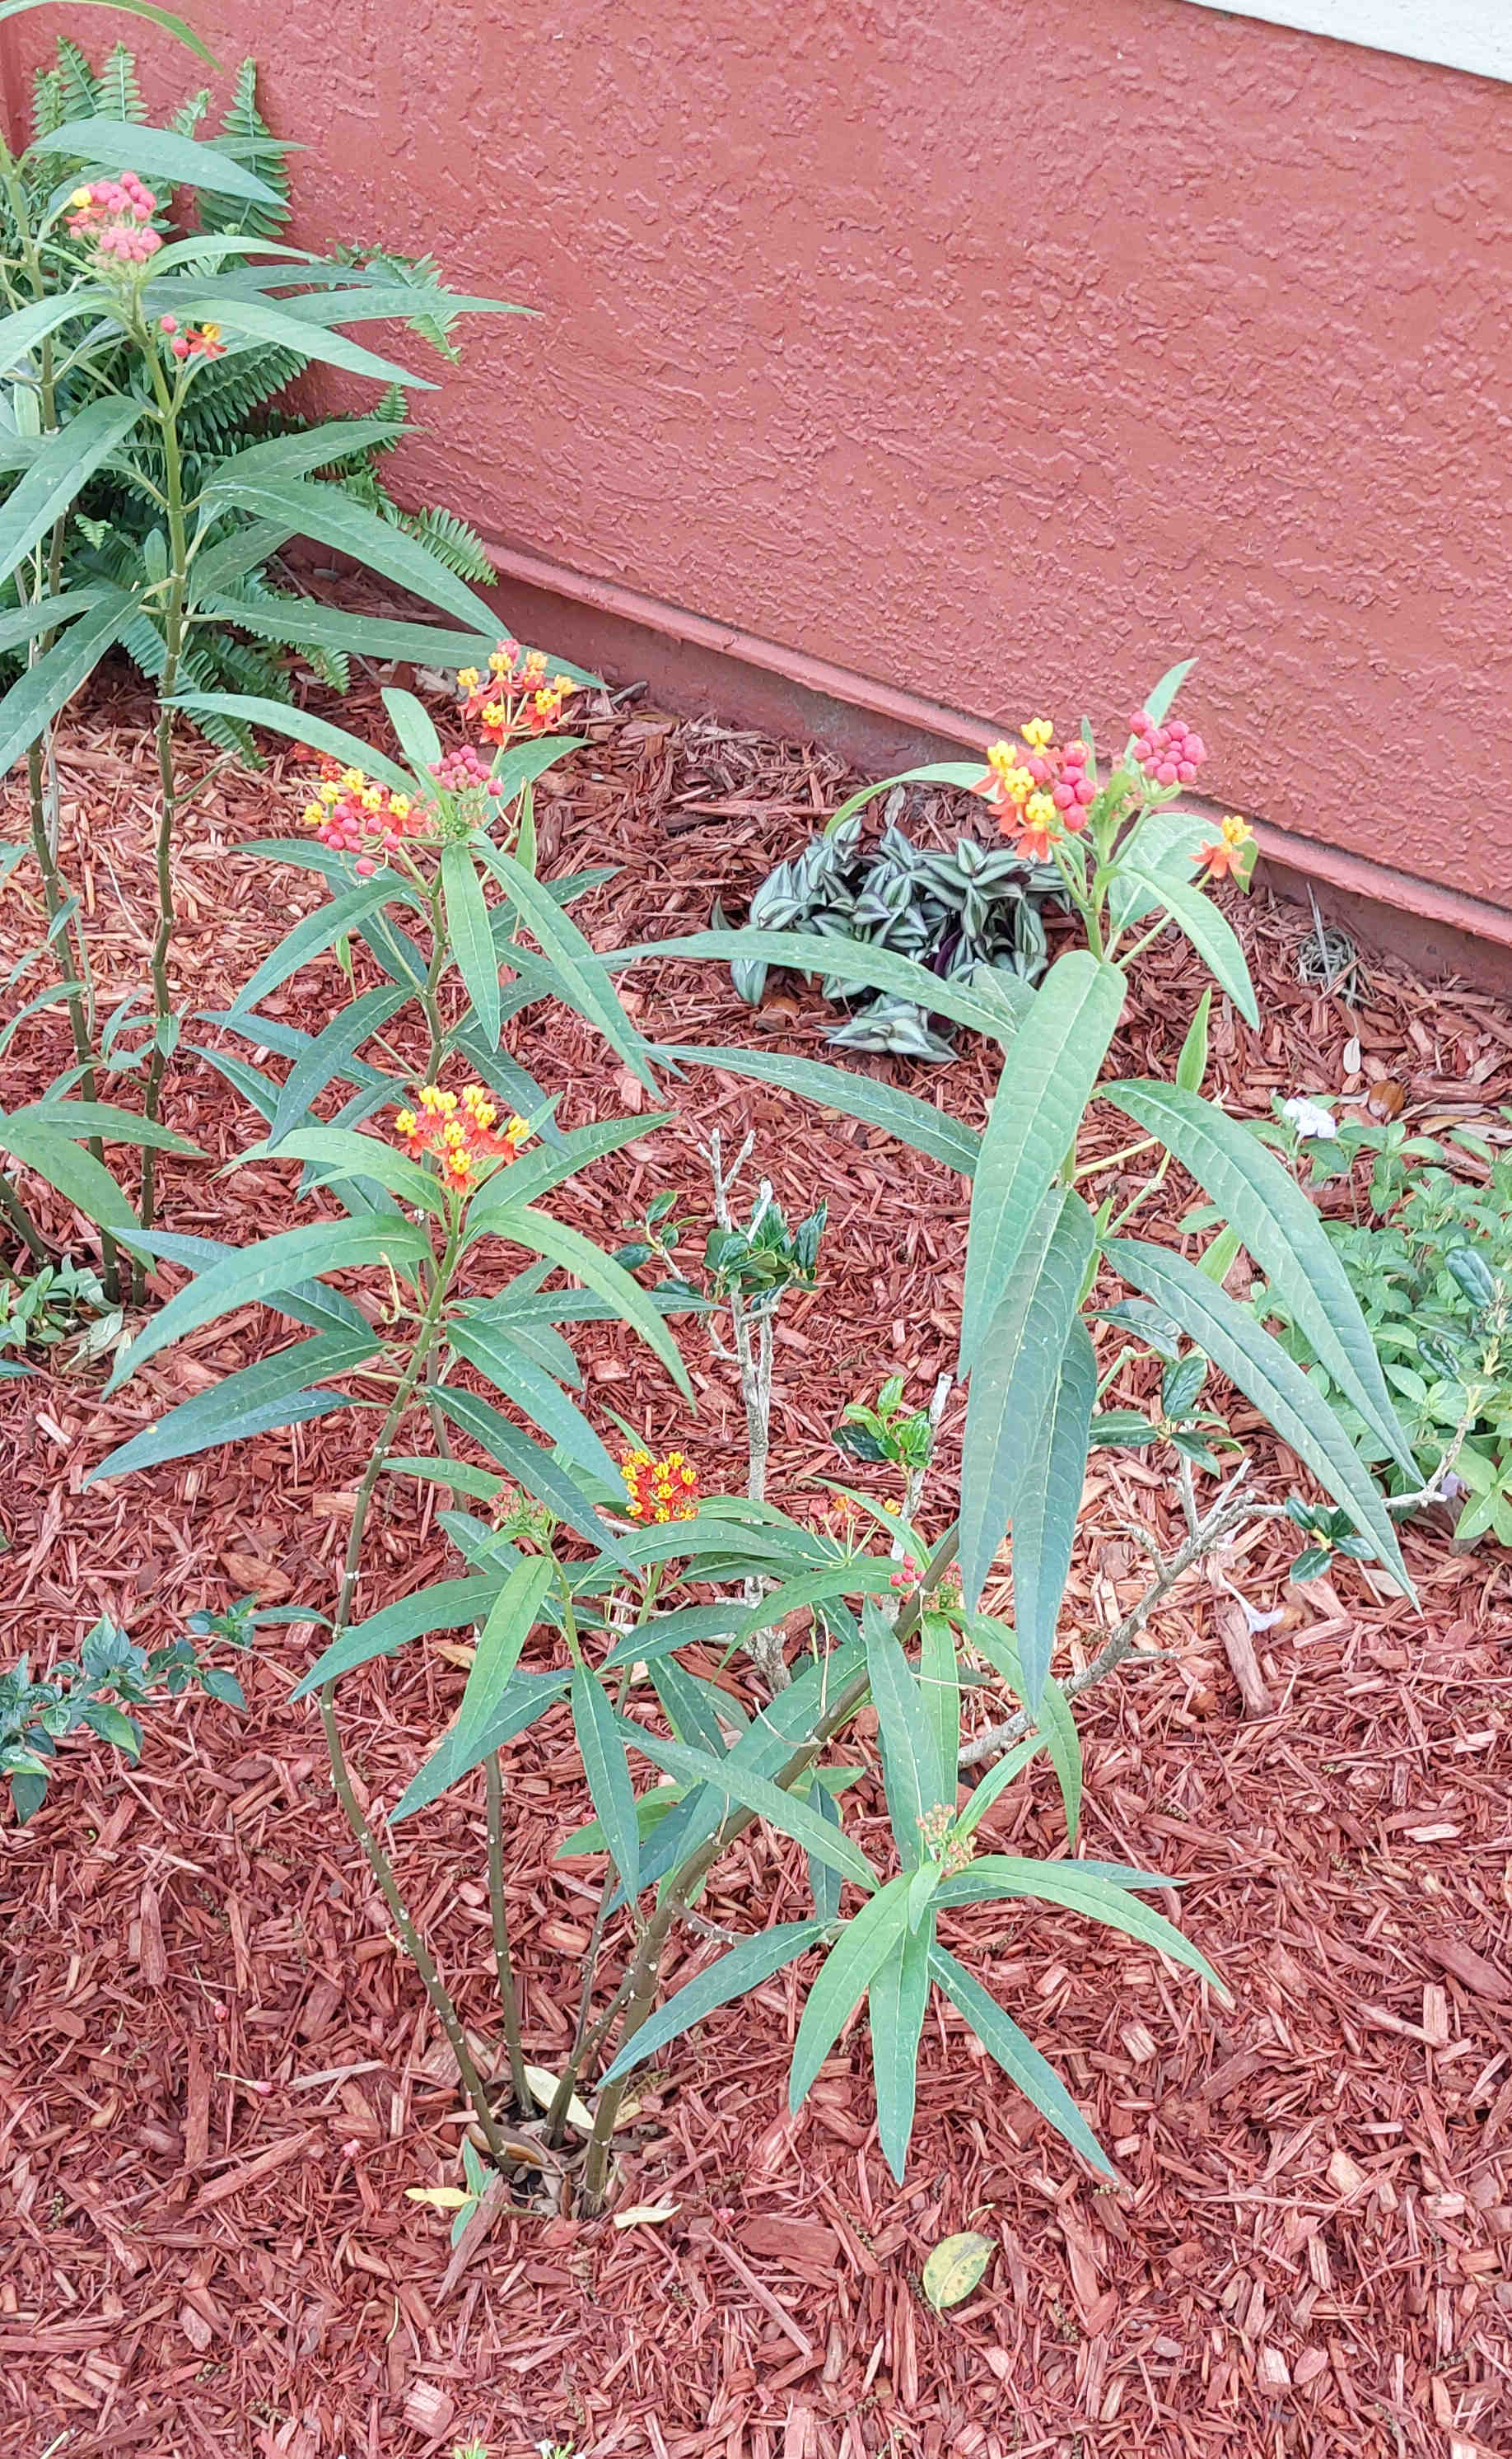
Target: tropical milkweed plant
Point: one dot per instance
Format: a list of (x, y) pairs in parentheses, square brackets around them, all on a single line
[(118, 341), (578, 1571)]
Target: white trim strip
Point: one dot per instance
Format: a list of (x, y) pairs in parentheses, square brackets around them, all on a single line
[(1474, 35)]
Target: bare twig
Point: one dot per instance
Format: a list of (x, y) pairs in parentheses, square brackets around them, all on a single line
[(1233, 1507)]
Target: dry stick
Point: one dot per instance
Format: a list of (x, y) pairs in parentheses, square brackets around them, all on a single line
[(377, 1859), (43, 848), (1227, 1515), (765, 1648), (494, 1809)]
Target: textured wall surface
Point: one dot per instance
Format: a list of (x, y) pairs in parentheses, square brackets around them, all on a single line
[(1002, 351)]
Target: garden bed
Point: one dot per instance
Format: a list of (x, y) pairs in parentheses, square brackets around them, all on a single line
[(218, 2077)]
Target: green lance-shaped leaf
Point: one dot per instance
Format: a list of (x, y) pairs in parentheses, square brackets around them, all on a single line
[(1077, 1887), (529, 1697), (848, 1971), (310, 937), (1037, 1109), (743, 1969), (995, 1783), (1191, 1064), (413, 722), (328, 1054), (1053, 1713), (73, 1173), (58, 471), (877, 1104), (536, 1470), (1209, 932), (67, 1118), (301, 623), (519, 763), (866, 966), (341, 1159), (467, 920), (579, 972), (1018, 2058), (536, 1173), (1158, 703), (576, 1254), (1016, 1378), (965, 773), (276, 1392), (243, 321), (1257, 1363), (511, 1618), (330, 516), (163, 18), (22, 331), (263, 1273), (939, 1690), (604, 1765), (311, 1303), (296, 456), (1044, 1519), (447, 1605), (733, 1780), (157, 153), (895, 2003), (493, 1349), (19, 624), (37, 696), (912, 1776), (1272, 1218)]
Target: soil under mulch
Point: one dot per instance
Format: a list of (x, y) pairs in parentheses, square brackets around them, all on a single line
[(218, 2076)]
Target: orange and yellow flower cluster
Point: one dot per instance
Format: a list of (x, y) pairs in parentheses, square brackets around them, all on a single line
[(518, 696), (1039, 788), (460, 1131), (659, 1491), (353, 815), (1231, 855)]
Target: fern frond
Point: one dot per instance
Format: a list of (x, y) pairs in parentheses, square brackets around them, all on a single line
[(246, 137), (120, 95), (75, 77), (452, 541), (433, 319), (48, 111), (190, 112)]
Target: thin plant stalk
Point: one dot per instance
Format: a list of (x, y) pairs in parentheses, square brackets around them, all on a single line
[(357, 1819), (503, 1965), (75, 992), (22, 1223)]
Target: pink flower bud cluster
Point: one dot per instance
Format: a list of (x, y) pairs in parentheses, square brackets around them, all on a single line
[(117, 214), (905, 1576), (1074, 789), (1169, 754), (462, 772)]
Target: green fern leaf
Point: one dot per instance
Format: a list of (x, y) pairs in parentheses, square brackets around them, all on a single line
[(49, 110), (121, 96), (245, 134), (190, 111), (76, 81), (452, 539)]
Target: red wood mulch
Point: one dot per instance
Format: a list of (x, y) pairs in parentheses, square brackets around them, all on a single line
[(217, 2077)]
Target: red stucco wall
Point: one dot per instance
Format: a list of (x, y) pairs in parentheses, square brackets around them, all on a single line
[(999, 349)]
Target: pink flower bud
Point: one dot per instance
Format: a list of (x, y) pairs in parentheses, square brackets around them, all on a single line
[(1084, 791), (1186, 770), (168, 324), (1140, 723), (365, 869), (1166, 773), (1063, 796)]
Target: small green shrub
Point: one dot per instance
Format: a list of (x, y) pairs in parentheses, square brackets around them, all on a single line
[(1431, 1266)]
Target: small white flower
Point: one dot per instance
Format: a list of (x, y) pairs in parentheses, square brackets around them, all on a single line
[(1309, 1117)]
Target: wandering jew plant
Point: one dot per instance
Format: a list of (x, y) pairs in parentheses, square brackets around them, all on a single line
[(586, 1578)]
